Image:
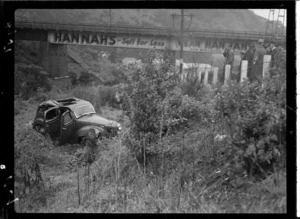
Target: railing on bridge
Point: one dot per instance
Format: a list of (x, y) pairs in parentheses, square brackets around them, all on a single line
[(206, 33)]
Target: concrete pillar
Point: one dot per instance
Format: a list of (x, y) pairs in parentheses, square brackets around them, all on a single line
[(215, 78), (244, 70), (183, 76), (53, 57), (206, 76), (199, 76), (227, 74), (266, 65), (43, 54), (58, 60)]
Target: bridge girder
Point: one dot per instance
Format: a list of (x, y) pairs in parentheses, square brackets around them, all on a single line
[(39, 29)]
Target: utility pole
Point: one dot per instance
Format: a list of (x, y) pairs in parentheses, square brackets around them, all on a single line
[(181, 35), (181, 41)]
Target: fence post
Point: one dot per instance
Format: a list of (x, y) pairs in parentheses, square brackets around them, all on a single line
[(199, 75), (244, 70), (266, 65), (183, 76), (206, 76), (215, 78), (227, 74)]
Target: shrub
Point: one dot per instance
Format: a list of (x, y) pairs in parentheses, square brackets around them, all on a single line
[(191, 86), (255, 118), (56, 93), (86, 78), (28, 78), (107, 95), (118, 74), (74, 78), (147, 90), (28, 156)]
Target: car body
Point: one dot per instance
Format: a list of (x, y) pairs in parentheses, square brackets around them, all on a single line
[(70, 120)]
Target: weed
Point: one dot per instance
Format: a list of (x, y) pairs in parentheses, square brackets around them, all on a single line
[(170, 160)]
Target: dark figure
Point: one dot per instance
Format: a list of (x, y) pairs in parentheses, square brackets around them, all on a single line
[(257, 68), (229, 59), (249, 54), (272, 51)]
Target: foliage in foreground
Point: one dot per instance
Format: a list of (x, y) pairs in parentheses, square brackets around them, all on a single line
[(190, 171), (116, 182)]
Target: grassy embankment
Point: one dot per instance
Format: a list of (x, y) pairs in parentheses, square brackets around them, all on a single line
[(192, 179)]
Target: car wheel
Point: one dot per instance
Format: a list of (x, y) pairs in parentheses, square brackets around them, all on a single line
[(41, 129), (99, 139), (83, 141)]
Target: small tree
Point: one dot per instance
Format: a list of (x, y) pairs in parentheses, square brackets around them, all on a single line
[(147, 90)]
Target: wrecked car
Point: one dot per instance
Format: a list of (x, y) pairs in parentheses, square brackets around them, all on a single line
[(70, 120)]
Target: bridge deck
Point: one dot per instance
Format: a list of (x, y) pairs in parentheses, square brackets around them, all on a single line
[(154, 31)]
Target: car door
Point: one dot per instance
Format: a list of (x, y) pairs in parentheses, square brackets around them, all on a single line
[(52, 122), (67, 130)]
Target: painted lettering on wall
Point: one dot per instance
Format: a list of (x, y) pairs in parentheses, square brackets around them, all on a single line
[(82, 38), (208, 45), (146, 42), (106, 40)]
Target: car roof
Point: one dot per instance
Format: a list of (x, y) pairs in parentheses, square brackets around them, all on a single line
[(71, 102)]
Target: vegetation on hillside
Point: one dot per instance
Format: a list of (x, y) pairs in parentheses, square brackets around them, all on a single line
[(218, 150)]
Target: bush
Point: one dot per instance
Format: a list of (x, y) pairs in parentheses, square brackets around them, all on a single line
[(86, 78), (255, 118), (107, 95), (192, 85), (118, 74), (147, 92), (74, 78), (56, 93), (28, 156), (28, 78)]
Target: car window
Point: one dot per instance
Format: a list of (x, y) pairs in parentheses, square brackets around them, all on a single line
[(83, 110), (67, 118), (51, 114)]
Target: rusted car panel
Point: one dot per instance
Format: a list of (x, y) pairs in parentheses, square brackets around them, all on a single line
[(69, 121)]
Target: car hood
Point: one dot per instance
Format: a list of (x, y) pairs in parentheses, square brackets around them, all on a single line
[(97, 120)]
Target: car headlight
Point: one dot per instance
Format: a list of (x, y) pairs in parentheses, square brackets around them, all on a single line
[(119, 127), (92, 134)]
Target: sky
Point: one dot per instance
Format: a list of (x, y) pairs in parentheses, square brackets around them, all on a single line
[(265, 13)]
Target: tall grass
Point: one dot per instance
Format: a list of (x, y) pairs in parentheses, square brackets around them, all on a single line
[(192, 181), (193, 175)]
